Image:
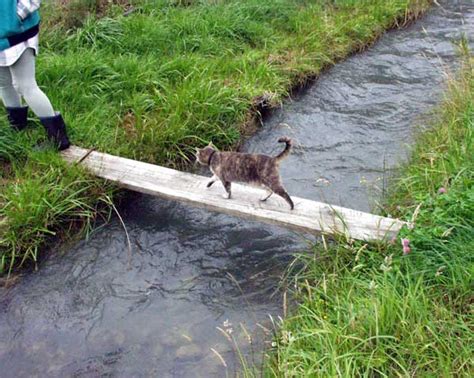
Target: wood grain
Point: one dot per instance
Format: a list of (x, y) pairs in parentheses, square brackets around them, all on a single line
[(308, 216)]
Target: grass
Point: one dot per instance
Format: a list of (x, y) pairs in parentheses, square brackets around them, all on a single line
[(41, 195), (152, 85), (370, 310)]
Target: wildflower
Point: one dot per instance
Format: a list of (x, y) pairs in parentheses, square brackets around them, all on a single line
[(406, 246), (227, 323), (442, 190), (228, 326), (372, 285), (386, 266)]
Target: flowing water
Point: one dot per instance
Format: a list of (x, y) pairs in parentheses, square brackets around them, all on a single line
[(97, 311)]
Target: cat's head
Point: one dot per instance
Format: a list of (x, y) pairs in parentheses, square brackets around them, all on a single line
[(203, 154)]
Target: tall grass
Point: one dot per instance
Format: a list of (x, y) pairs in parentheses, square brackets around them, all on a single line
[(151, 80), (42, 193), (370, 310)]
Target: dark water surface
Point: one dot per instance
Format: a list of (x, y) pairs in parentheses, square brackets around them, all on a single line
[(94, 311)]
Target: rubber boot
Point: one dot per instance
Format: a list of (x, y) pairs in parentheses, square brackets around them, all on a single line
[(56, 131), (18, 117)]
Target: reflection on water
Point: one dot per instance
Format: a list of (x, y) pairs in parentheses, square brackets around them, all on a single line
[(198, 283)]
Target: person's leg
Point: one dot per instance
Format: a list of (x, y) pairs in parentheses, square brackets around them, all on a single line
[(23, 73), (17, 114), (8, 93)]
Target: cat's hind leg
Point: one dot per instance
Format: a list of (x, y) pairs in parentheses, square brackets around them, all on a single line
[(282, 193)]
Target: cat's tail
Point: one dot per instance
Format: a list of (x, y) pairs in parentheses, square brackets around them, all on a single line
[(287, 149)]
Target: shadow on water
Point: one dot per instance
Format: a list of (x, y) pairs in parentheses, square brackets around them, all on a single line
[(94, 311)]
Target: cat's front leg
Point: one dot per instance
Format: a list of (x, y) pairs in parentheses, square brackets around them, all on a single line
[(267, 196), (212, 181)]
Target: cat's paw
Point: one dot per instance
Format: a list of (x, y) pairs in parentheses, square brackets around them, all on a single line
[(264, 199), (226, 196)]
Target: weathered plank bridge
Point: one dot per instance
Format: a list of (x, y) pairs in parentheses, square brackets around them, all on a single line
[(308, 216)]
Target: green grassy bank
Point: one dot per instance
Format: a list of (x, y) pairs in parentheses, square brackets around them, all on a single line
[(152, 85), (368, 310)]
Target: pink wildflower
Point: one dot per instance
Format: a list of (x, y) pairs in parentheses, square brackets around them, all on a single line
[(442, 190), (406, 246)]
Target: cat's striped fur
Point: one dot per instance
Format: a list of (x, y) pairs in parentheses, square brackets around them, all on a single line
[(255, 169)]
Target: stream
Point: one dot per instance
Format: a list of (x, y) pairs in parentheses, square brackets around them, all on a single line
[(201, 288)]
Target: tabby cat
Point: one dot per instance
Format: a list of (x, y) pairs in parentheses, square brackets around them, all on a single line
[(255, 169)]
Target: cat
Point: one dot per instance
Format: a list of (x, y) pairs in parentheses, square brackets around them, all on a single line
[(253, 169)]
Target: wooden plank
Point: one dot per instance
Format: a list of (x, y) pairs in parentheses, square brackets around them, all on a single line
[(308, 216)]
